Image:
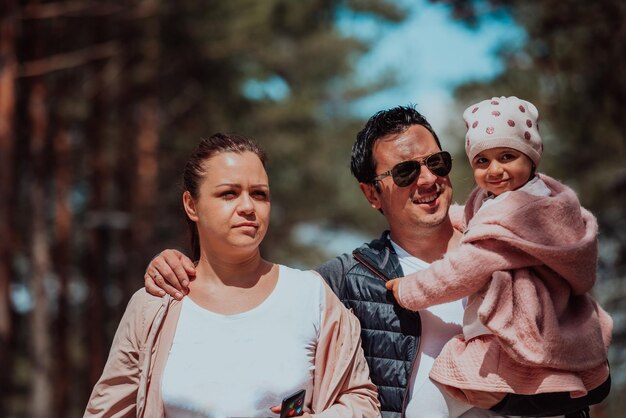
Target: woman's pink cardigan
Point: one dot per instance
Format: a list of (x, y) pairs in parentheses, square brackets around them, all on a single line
[(531, 262), (130, 384)]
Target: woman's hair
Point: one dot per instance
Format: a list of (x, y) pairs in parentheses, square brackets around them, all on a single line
[(195, 169)]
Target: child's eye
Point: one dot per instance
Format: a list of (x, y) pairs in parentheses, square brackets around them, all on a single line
[(508, 157), (480, 161)]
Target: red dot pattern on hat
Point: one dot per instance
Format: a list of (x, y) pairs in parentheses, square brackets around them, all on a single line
[(495, 121)]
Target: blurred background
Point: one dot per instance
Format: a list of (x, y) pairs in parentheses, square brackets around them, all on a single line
[(101, 102)]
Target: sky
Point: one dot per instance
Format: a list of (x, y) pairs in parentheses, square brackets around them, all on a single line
[(430, 54)]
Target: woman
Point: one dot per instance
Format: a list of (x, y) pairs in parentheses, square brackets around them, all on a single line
[(250, 333)]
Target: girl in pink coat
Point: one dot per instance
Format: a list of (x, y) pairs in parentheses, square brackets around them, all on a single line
[(526, 263)]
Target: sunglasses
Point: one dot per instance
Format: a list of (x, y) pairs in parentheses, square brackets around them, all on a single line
[(405, 173)]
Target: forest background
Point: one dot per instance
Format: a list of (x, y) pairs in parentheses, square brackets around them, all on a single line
[(101, 102)]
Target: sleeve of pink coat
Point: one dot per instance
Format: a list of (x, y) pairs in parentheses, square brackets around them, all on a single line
[(460, 273), (115, 393), (342, 387)]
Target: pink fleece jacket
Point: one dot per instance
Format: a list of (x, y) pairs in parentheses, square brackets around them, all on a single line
[(529, 262)]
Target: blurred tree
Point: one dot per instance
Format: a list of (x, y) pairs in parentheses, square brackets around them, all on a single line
[(41, 393), (62, 257), (278, 71), (8, 74), (100, 105), (40, 336)]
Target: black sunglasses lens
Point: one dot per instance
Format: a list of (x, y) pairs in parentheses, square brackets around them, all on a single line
[(405, 173), (440, 163)]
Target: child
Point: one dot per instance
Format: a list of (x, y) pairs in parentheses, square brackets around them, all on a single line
[(526, 262)]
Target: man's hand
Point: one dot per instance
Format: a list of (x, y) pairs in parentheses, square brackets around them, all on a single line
[(169, 272), (394, 286)]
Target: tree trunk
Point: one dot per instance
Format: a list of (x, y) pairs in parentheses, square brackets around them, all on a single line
[(8, 74), (147, 171), (144, 205), (99, 218), (96, 228), (125, 179), (62, 261), (41, 395)]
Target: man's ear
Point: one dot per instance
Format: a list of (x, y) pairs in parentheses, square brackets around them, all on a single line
[(190, 206), (371, 193)]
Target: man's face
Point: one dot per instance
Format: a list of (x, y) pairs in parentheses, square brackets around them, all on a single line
[(425, 202)]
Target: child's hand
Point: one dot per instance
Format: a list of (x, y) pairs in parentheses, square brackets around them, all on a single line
[(394, 286)]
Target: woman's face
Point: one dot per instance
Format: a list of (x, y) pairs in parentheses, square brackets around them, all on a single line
[(233, 206)]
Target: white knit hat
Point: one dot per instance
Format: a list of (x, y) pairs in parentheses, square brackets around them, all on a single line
[(503, 122)]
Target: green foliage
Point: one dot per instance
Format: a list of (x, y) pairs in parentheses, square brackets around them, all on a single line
[(210, 55), (127, 90)]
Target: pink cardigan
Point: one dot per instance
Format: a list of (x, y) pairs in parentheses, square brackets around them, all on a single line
[(529, 262), (130, 384)]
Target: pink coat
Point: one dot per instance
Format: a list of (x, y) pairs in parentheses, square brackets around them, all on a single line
[(529, 262), (130, 384)]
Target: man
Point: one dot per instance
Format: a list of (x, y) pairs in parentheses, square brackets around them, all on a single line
[(402, 171)]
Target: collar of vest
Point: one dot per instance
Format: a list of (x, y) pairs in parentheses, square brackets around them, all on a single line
[(380, 258)]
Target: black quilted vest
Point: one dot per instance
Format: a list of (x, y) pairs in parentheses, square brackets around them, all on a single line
[(390, 334)]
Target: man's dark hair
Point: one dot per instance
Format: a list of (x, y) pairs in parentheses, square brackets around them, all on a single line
[(381, 124)]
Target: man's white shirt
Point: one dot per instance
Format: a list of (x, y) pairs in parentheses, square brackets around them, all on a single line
[(439, 324)]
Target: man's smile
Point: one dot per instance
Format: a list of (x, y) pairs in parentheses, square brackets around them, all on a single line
[(431, 196)]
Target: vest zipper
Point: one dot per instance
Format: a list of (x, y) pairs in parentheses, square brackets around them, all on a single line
[(419, 340)]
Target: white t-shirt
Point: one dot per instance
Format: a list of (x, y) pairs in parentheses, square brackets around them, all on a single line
[(241, 365), (439, 324)]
